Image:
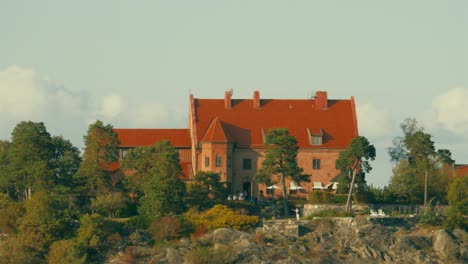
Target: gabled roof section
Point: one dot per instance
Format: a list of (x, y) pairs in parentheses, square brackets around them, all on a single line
[(216, 132), (245, 123), (179, 138)]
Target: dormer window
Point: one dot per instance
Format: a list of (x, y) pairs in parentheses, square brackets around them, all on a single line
[(316, 140), (315, 137)]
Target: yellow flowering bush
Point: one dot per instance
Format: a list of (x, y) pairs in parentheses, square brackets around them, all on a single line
[(221, 216)]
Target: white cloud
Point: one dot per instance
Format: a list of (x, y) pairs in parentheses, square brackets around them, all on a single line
[(450, 110), (373, 122), (25, 95), (22, 94), (112, 105)]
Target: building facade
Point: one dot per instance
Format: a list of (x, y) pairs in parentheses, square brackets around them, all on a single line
[(226, 136)]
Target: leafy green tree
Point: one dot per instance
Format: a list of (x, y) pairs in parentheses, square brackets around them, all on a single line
[(457, 197), (109, 203), (206, 191), (65, 161), (91, 237), (355, 161), (421, 153), (418, 164), (10, 212), (155, 173), (101, 149), (5, 180), (43, 222), (280, 160), (25, 165), (65, 252)]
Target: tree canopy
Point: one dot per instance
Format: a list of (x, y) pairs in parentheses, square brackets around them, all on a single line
[(355, 161), (155, 174), (280, 160), (419, 170), (206, 190), (101, 150)]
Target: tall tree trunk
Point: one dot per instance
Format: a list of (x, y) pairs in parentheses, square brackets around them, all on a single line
[(348, 201), (425, 187), (285, 202)]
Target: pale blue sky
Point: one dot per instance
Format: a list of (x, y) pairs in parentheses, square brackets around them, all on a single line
[(133, 63)]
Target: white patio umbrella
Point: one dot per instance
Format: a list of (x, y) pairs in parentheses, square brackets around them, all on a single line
[(273, 187)]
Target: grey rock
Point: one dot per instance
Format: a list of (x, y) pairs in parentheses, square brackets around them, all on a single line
[(444, 243)]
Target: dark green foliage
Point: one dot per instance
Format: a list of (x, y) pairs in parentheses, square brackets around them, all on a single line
[(320, 197), (280, 160), (65, 161), (205, 191), (35, 161), (156, 170), (10, 212), (330, 213), (339, 198), (355, 161), (43, 222), (26, 163), (382, 195), (241, 207), (458, 200), (109, 204), (429, 217), (101, 150), (94, 236), (421, 173)]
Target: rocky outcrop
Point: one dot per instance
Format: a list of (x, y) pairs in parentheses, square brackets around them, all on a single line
[(328, 240)]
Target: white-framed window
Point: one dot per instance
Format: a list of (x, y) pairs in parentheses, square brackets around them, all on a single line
[(316, 164)]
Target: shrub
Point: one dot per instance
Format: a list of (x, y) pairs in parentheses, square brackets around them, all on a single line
[(429, 217), (339, 198), (242, 207), (170, 227), (109, 204), (330, 213), (220, 255), (455, 218), (319, 197), (138, 222), (458, 200), (64, 252), (363, 197), (221, 216)]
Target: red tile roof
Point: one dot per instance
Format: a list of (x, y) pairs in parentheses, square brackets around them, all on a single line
[(245, 123), (146, 137), (216, 132), (461, 169)]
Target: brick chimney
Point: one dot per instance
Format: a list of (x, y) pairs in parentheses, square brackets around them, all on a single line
[(256, 99), (227, 99), (321, 100)]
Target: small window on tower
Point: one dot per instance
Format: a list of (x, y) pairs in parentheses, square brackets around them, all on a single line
[(247, 164), (218, 161), (207, 161)]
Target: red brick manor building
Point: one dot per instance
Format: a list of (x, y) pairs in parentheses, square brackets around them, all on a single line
[(227, 136)]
